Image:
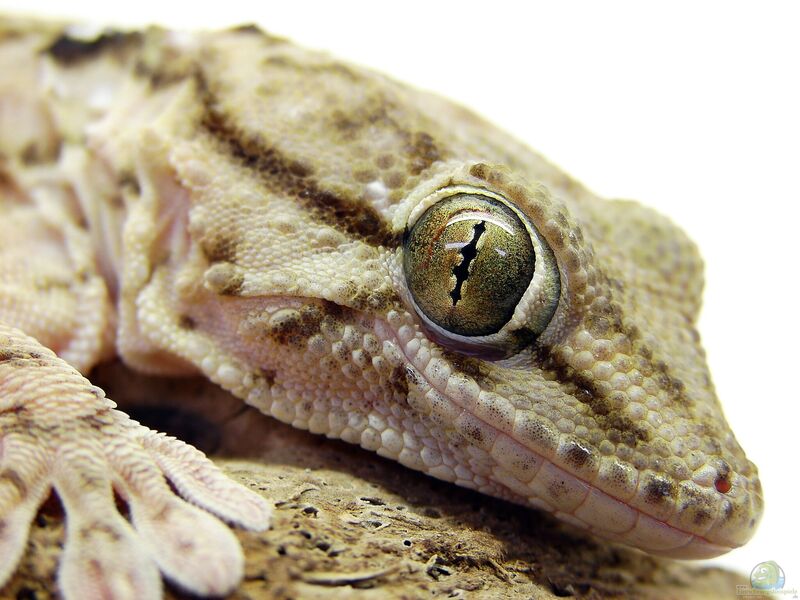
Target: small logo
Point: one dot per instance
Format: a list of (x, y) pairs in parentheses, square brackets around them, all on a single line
[(767, 576)]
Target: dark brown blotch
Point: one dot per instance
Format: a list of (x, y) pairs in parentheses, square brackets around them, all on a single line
[(467, 365), (20, 358), (658, 490), (695, 504), (69, 51), (7, 354), (294, 330), (359, 120), (411, 376), (31, 154), (309, 320), (218, 248), (671, 384), (5, 177), (384, 161), (701, 516), (577, 455), (247, 28), (356, 218), (422, 152), (398, 381), (480, 170), (631, 433), (381, 299), (346, 124), (254, 30), (269, 376), (585, 389), (472, 433), (232, 286), (299, 169)]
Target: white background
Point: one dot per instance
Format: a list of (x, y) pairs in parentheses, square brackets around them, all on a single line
[(691, 107)]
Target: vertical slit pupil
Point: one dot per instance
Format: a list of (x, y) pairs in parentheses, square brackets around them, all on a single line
[(468, 254)]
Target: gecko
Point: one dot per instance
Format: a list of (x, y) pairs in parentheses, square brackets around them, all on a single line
[(351, 256)]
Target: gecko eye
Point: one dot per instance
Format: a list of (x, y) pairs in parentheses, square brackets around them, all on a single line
[(469, 260)]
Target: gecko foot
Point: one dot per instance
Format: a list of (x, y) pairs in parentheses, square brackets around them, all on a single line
[(59, 432)]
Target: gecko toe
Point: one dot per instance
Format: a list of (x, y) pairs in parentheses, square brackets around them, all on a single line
[(192, 547), (202, 483), (103, 557), (24, 483)]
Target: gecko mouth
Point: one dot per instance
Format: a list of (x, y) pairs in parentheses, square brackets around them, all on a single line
[(449, 426), (530, 477)]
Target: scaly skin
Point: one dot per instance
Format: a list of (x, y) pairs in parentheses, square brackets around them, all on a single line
[(230, 204)]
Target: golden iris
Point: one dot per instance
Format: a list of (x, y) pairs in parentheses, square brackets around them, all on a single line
[(468, 260)]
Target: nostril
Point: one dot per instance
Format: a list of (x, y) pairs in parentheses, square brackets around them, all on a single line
[(722, 484)]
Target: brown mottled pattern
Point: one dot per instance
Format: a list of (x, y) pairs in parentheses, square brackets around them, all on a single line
[(71, 51), (250, 201), (296, 177)]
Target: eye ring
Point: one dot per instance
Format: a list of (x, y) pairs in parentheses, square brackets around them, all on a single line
[(481, 278)]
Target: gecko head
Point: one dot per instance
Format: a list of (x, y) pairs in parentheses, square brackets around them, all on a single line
[(561, 346), (534, 351), (487, 334), (470, 325)]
